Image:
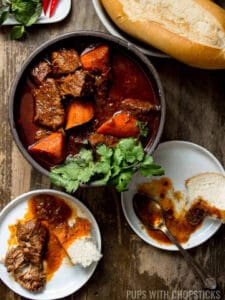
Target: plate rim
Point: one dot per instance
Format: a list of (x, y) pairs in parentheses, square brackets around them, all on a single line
[(112, 30), (19, 199), (172, 247)]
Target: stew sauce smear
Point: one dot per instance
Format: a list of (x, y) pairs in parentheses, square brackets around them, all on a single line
[(72, 100), (55, 214), (178, 220)]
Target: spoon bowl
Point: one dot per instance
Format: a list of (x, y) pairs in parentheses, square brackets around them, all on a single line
[(150, 213)]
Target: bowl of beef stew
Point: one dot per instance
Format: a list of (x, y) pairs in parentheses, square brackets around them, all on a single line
[(82, 89)]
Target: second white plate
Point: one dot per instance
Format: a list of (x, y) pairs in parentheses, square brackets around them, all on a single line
[(67, 279), (180, 160)]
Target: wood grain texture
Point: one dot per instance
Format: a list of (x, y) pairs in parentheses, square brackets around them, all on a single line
[(195, 112)]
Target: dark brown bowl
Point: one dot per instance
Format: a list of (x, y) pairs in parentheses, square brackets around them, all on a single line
[(79, 40)]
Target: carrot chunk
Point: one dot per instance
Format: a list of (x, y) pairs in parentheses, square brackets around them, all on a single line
[(50, 148), (79, 112), (120, 125), (96, 59)]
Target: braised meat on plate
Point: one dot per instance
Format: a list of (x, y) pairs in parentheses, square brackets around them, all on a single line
[(25, 261)]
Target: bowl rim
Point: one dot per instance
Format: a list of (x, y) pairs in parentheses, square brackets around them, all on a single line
[(98, 34)]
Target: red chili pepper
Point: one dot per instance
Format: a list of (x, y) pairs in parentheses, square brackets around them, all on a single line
[(53, 7), (45, 5)]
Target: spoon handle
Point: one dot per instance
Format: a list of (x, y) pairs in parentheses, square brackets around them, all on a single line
[(208, 281)]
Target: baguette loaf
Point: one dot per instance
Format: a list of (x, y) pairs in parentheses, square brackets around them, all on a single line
[(192, 31)]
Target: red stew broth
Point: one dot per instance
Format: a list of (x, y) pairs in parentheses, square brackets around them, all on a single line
[(128, 80)]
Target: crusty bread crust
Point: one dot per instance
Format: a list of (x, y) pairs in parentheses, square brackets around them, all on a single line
[(179, 47)]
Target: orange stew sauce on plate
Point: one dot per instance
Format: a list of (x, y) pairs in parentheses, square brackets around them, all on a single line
[(54, 213), (176, 217)]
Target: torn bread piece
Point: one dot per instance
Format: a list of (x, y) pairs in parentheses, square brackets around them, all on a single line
[(206, 196), (77, 240)]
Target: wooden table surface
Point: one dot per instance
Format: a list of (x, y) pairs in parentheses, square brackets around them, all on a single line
[(130, 269)]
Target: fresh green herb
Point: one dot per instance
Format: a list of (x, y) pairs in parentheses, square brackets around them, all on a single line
[(3, 16), (17, 32), (4, 11), (144, 130), (110, 166), (25, 12)]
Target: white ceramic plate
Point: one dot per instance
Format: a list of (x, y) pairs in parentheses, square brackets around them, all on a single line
[(67, 279), (180, 160), (61, 12), (114, 30)]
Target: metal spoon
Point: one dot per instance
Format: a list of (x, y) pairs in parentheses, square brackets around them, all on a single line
[(158, 223)]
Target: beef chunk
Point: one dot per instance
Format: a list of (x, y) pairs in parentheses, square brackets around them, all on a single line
[(41, 133), (97, 138), (15, 259), (102, 83), (40, 72), (49, 111), (25, 261), (44, 132), (137, 106), (32, 237), (31, 277), (65, 61), (75, 143), (79, 84)]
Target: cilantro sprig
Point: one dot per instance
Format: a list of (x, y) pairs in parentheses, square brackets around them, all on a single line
[(24, 11), (143, 127), (111, 166)]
